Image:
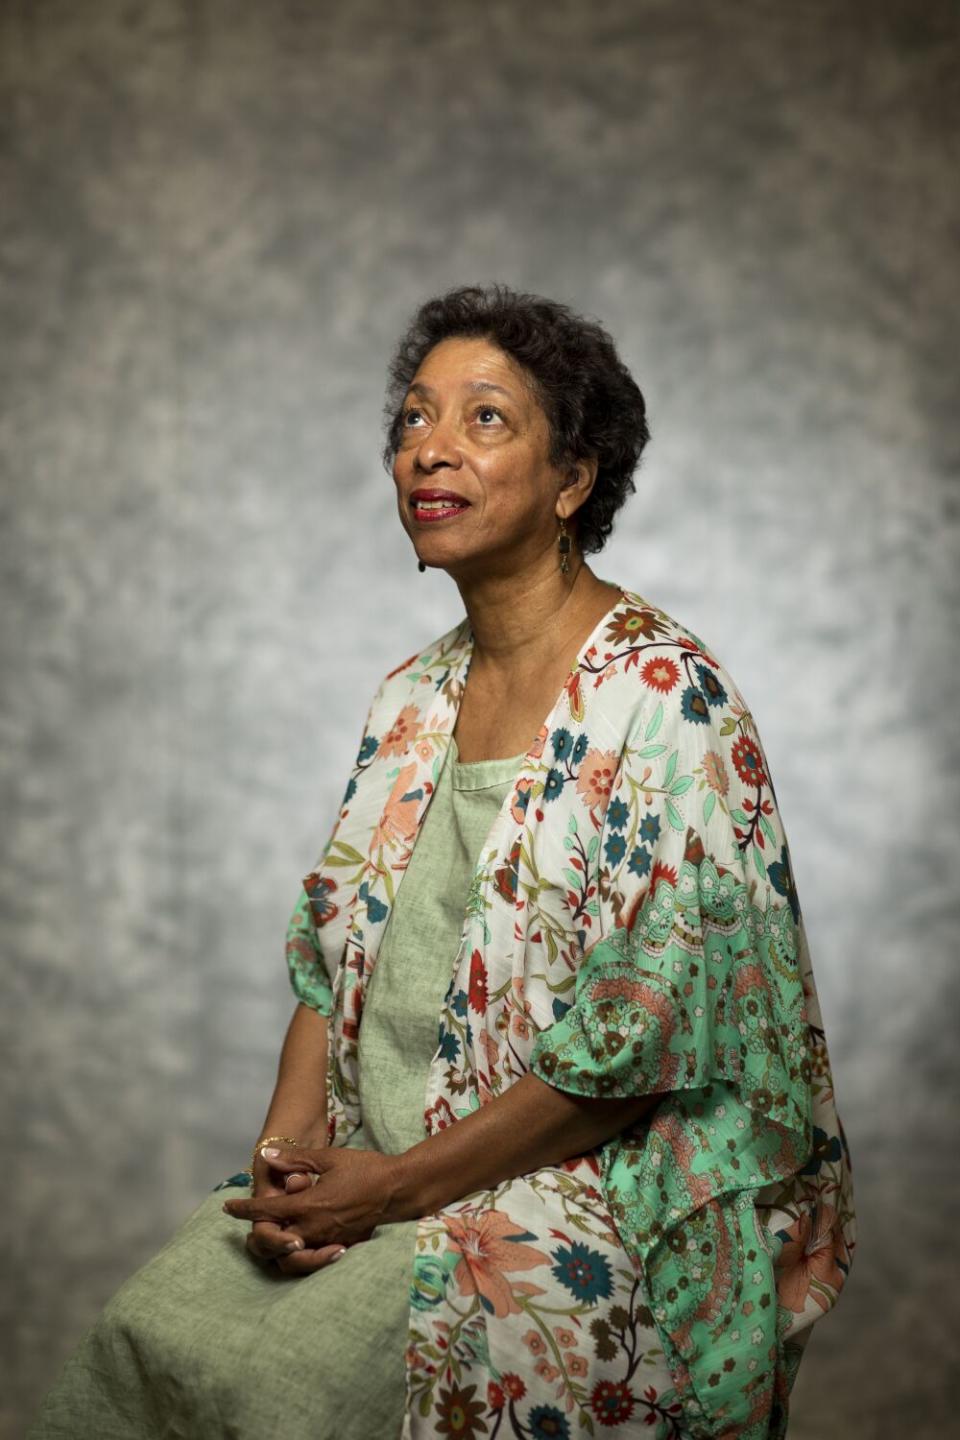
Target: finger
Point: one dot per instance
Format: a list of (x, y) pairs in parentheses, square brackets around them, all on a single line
[(305, 1262), (294, 1184), (287, 1161), (271, 1242), (265, 1252), (265, 1207)]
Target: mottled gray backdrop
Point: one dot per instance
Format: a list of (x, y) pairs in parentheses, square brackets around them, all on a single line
[(215, 217)]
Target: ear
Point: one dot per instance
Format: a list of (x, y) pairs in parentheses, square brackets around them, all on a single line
[(582, 477)]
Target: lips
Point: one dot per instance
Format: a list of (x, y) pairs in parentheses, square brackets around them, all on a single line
[(431, 505)]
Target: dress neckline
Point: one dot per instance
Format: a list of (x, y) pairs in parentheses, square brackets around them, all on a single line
[(482, 774)]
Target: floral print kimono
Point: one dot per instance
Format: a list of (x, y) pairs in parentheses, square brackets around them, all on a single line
[(632, 928)]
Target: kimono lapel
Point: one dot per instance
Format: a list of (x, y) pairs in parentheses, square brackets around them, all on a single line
[(421, 738), (415, 722)]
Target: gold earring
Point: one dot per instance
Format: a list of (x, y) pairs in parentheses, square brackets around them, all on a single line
[(563, 544)]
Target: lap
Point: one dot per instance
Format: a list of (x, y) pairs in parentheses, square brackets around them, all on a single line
[(523, 1301), (204, 1342)]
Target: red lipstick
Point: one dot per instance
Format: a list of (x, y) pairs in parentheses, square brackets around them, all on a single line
[(430, 504)]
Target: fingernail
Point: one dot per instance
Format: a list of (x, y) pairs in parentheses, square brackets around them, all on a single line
[(270, 1153), (338, 1254), (295, 1245)]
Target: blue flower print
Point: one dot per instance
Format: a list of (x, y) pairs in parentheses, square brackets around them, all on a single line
[(560, 1007), (368, 749), (617, 815), (585, 1272), (562, 742), (639, 861), (580, 748), (376, 910), (615, 848), (548, 1423), (459, 1003), (650, 827), (710, 686), (693, 706), (553, 785), (349, 793), (781, 879), (449, 1046), (824, 1148)]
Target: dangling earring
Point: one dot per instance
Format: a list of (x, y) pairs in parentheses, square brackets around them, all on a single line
[(563, 545), (420, 566)]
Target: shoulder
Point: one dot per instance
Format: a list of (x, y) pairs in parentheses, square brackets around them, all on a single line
[(649, 662)]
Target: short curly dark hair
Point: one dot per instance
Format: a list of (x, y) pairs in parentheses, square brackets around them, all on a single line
[(593, 405)]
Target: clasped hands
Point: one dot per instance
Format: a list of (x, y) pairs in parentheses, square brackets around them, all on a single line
[(309, 1205)]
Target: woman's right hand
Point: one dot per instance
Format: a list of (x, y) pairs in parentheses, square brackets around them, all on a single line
[(269, 1241)]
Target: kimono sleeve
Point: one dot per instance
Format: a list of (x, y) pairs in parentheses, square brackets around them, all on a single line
[(696, 994), (698, 982), (318, 924), (308, 974)]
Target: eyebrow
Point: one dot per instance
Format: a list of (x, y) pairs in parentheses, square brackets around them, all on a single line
[(478, 386)]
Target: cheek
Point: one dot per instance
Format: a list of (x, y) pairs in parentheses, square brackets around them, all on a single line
[(400, 471), (513, 489)]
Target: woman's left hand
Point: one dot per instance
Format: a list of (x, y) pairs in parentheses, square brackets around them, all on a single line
[(350, 1196)]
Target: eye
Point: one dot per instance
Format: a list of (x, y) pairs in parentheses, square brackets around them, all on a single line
[(409, 418), (486, 413)]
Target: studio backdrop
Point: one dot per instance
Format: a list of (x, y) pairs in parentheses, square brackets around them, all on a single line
[(216, 217)]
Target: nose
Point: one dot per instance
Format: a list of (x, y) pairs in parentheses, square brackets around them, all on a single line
[(438, 450)]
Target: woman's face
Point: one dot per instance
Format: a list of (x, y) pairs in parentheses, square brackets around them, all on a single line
[(476, 490)]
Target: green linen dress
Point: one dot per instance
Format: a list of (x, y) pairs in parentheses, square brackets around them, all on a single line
[(203, 1342)]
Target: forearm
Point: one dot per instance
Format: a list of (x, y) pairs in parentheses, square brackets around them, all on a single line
[(531, 1125), (298, 1108)]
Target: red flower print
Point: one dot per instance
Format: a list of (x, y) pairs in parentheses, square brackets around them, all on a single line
[(403, 732), (514, 1386), (660, 673), (535, 1342), (612, 1402), (496, 1398), (439, 1115), (574, 695), (748, 762), (661, 872), (478, 984), (488, 1250), (596, 778), (810, 1254)]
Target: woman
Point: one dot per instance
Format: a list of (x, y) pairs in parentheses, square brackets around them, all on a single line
[(611, 1191)]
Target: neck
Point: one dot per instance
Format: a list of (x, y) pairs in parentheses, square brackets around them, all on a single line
[(518, 621)]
